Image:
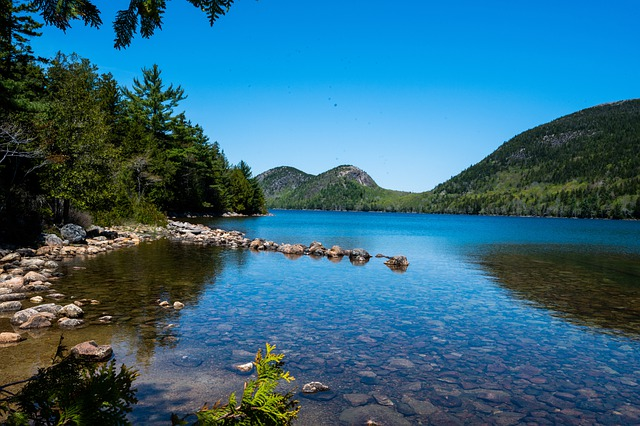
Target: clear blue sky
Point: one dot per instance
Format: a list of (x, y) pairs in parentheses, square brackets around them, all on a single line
[(411, 91)]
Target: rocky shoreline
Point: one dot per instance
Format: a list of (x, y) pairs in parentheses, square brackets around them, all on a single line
[(27, 274)]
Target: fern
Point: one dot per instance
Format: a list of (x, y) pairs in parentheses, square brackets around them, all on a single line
[(260, 403)]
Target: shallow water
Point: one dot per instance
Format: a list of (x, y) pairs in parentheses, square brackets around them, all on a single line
[(496, 320)]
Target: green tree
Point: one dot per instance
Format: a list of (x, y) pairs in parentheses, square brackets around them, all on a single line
[(143, 15), (75, 138)]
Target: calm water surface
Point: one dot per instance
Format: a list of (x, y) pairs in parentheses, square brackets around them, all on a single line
[(496, 320)]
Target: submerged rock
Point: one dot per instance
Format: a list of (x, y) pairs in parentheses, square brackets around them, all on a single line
[(7, 337), (314, 387), (40, 320)]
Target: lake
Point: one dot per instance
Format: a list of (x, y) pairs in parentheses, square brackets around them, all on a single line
[(497, 320)]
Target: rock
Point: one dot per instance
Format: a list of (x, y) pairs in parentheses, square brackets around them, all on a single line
[(11, 297), (178, 305), (11, 257), (245, 368), (41, 320), (164, 304), (373, 414), (71, 311), (397, 262), (51, 308), (65, 322), (383, 399), (105, 318), (32, 264), (73, 233), (317, 249), (314, 387), (91, 351), (33, 276), (7, 337), (296, 249), (358, 252), (358, 399), (36, 299), (22, 316), (51, 264), (335, 251), (56, 296), (15, 284), (10, 306), (52, 240)]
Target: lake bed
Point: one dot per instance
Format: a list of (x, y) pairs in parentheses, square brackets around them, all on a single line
[(497, 320)]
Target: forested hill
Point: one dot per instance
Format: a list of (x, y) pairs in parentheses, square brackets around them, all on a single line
[(341, 188), (586, 164)]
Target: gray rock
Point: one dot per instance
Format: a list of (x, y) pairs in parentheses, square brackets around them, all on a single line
[(22, 316), (37, 321), (71, 311), (65, 322), (73, 233), (52, 240), (51, 308), (91, 351), (358, 252), (33, 276), (10, 306)]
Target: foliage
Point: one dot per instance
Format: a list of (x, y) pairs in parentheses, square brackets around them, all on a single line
[(143, 15), (72, 139), (260, 403), (74, 392), (341, 188)]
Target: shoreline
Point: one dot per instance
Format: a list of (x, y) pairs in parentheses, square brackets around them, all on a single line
[(27, 274)]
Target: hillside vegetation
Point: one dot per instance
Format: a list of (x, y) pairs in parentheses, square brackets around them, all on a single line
[(341, 188), (585, 164)]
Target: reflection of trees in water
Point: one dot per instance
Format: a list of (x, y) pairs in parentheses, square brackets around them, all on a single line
[(593, 289), (129, 284)]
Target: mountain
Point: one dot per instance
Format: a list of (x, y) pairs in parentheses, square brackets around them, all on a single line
[(585, 164), (342, 188)]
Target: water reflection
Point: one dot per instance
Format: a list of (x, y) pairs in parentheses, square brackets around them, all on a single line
[(129, 284), (600, 290)]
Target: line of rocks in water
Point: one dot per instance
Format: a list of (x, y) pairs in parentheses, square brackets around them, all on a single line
[(27, 274), (201, 234)]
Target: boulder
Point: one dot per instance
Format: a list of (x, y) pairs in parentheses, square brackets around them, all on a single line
[(51, 308), (335, 251), (52, 240), (10, 306), (296, 249), (10, 338), (91, 351), (359, 253), (34, 276), (14, 284), (37, 321), (73, 233), (178, 305), (22, 316), (71, 311), (397, 262)]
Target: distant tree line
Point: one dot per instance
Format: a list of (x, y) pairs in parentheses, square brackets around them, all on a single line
[(74, 142)]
